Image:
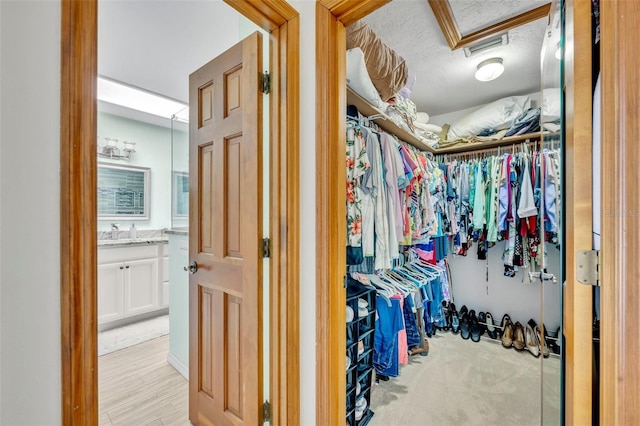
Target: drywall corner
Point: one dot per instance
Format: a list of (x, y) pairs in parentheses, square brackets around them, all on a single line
[(307, 210)]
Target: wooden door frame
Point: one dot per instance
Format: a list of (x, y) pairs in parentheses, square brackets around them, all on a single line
[(332, 16), (78, 239), (620, 269), (577, 298)]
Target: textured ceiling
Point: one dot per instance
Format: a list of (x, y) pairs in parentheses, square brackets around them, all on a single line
[(473, 15), (445, 79), (155, 45)]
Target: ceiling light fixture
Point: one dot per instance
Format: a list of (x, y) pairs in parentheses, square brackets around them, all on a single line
[(489, 69)]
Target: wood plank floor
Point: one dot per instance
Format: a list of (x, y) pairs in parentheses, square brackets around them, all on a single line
[(137, 387)]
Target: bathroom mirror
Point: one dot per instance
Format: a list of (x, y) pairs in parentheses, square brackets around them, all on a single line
[(123, 192)]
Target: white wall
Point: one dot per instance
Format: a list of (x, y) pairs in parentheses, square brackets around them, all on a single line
[(307, 211), (153, 150), (0, 212), (30, 213), (500, 294)]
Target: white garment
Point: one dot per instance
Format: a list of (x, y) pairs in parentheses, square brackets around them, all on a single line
[(527, 206), (393, 196)]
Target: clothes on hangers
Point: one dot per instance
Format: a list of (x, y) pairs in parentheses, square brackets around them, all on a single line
[(389, 187), (502, 198)]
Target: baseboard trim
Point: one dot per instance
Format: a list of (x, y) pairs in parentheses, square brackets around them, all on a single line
[(178, 365)]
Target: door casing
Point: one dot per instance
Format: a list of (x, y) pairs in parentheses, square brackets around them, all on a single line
[(78, 237), (332, 16)]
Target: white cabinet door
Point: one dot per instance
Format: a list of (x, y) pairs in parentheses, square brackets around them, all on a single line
[(141, 286), (110, 291)]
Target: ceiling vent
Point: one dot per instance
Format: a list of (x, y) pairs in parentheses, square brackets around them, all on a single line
[(486, 44)]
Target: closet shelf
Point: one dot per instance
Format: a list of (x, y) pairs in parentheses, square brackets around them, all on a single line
[(385, 122), (478, 146)]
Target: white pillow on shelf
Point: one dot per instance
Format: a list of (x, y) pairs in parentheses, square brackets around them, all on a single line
[(497, 115), (427, 127), (358, 78)]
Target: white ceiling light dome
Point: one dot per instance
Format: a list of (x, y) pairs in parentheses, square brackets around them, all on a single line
[(489, 69)]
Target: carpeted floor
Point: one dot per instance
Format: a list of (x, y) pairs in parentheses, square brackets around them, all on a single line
[(465, 383), (132, 334)]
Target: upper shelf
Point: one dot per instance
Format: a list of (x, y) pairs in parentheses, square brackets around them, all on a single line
[(387, 124), (384, 121)]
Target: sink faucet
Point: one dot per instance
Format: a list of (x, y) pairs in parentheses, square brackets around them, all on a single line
[(114, 231)]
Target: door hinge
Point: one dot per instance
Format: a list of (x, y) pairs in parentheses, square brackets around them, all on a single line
[(266, 248), (266, 411), (588, 267), (265, 82)]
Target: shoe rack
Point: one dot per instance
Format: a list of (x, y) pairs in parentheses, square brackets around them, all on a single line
[(361, 316)]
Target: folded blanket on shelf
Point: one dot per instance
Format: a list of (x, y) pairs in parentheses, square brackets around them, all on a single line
[(387, 69)]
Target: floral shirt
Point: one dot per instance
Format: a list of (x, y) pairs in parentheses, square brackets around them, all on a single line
[(357, 165)]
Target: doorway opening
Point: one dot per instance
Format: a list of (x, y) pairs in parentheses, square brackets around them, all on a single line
[(79, 377), (332, 23)]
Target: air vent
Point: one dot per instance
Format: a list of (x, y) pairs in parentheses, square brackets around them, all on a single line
[(486, 44)]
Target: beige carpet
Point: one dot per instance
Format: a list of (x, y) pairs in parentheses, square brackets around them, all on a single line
[(462, 382)]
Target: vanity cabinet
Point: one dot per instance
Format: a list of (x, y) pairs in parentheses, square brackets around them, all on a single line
[(131, 281)]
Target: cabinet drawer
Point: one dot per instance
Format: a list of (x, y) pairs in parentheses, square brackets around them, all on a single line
[(108, 255)]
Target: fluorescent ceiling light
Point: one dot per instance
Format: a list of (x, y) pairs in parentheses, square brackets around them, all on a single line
[(137, 99), (489, 69)]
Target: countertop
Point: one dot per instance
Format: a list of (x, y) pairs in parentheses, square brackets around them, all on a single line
[(177, 231), (126, 242)]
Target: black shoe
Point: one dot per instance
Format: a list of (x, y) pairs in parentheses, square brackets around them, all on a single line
[(503, 323), (492, 331), (465, 329), (446, 309), (463, 311), (474, 327), (455, 319)]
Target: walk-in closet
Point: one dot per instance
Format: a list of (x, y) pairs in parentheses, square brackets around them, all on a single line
[(455, 229)]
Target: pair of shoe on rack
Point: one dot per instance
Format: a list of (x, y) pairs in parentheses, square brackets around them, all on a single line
[(451, 318), (524, 337), (471, 326)]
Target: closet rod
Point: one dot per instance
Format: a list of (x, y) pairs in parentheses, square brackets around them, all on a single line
[(495, 150)]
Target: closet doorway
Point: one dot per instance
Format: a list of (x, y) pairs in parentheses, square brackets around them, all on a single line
[(78, 136), (332, 21)]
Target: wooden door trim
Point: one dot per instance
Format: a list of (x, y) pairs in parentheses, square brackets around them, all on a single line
[(330, 203), (619, 314), (455, 39), (78, 120), (78, 213), (330, 252), (578, 348)]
